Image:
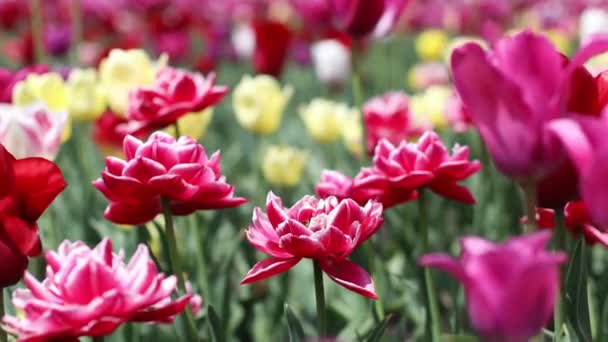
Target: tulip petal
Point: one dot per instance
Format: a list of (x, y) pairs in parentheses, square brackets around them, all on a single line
[(445, 263), (268, 268), (351, 276), (133, 214)]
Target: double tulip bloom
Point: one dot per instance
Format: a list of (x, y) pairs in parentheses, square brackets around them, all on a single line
[(174, 94), (66, 305), (28, 186), (327, 231), (388, 117), (162, 168), (510, 288), (399, 171), (32, 130)]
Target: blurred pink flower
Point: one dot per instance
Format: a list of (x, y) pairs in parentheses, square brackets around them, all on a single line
[(91, 292), (512, 93), (510, 288), (31, 131), (427, 163), (388, 117), (326, 231), (159, 168), (174, 94)]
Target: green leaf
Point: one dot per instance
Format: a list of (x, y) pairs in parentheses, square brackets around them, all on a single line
[(459, 338), (215, 326), (294, 328), (378, 330), (576, 292)]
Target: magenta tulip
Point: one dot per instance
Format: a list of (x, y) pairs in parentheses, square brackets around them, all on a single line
[(162, 167), (510, 288), (327, 231)]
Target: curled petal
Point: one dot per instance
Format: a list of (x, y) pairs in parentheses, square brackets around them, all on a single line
[(351, 276), (267, 268)]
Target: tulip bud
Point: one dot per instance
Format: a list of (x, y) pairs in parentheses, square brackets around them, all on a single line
[(243, 41), (332, 62), (431, 44), (324, 119), (283, 165), (259, 103), (86, 100), (123, 71), (510, 287), (47, 88)]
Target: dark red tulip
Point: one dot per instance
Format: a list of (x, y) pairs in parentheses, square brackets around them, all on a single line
[(271, 46)]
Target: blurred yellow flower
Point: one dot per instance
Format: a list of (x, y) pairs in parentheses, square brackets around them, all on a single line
[(429, 107), (431, 44), (124, 70), (259, 103), (460, 41), (323, 119), (48, 88), (560, 40), (283, 165), (352, 133), (86, 100), (193, 125)]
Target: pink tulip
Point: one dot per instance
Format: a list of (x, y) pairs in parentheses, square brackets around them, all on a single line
[(159, 168), (512, 93), (91, 292), (327, 231), (427, 163), (388, 117), (510, 288), (174, 94), (31, 131)]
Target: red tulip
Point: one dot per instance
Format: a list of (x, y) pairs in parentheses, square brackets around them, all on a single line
[(174, 94), (388, 117), (362, 18), (28, 186), (91, 292), (427, 163), (326, 231), (163, 167), (271, 46)]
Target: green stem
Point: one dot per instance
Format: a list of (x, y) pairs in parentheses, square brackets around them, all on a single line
[(559, 310), (358, 100), (36, 24), (368, 249), (178, 133), (530, 202), (76, 14), (432, 306), (3, 337), (200, 239), (176, 265), (320, 298)]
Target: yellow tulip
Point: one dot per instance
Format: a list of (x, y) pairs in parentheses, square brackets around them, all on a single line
[(428, 107), (86, 100), (259, 103), (48, 88), (283, 165), (125, 70), (323, 119), (193, 125), (352, 133), (431, 44)]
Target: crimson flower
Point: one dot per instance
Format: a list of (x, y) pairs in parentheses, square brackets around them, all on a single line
[(27, 188), (326, 231), (174, 94), (271, 46), (362, 18), (388, 117), (426, 163), (162, 167), (91, 292), (510, 287)]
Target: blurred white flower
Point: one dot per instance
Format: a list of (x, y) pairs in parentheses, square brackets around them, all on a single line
[(332, 61), (243, 41), (32, 130), (593, 21)]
